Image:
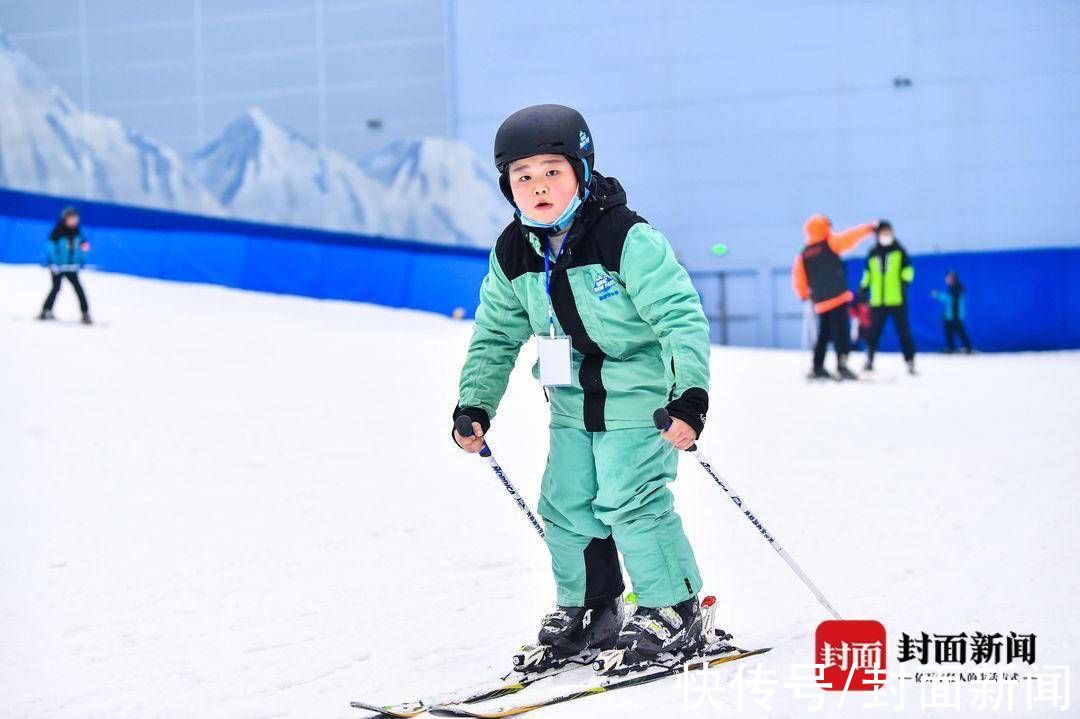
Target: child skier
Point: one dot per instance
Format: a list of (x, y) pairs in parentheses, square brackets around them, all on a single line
[(66, 256), (860, 318), (887, 275), (953, 312), (620, 332), (818, 274)]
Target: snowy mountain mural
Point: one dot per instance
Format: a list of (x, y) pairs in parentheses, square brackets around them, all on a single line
[(430, 189), (261, 171), (47, 144), (448, 189)]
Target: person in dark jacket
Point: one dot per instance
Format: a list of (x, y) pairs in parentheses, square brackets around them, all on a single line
[(953, 312), (818, 274), (66, 256), (887, 275)]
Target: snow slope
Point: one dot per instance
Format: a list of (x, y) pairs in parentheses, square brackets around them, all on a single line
[(227, 504)]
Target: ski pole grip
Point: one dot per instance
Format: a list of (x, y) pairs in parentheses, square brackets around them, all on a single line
[(463, 425), (662, 420)]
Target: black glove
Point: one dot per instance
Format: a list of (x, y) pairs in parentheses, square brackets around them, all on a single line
[(691, 408), (473, 413)]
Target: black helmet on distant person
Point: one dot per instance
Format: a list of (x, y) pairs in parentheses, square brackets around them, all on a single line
[(545, 129)]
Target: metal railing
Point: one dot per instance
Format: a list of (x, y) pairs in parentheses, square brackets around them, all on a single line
[(780, 282), (718, 313)]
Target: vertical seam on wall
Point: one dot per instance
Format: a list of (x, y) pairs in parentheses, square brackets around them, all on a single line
[(200, 87), (450, 59), (84, 59), (320, 90)]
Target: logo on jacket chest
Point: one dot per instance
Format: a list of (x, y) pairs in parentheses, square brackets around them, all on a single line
[(604, 287)]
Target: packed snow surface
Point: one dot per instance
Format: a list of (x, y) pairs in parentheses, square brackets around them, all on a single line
[(221, 504)]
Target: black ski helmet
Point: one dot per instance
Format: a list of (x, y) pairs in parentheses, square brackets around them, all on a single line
[(545, 129)]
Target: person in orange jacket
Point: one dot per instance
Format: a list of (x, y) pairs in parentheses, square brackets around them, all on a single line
[(818, 275)]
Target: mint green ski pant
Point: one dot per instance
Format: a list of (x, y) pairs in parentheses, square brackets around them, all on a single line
[(604, 491)]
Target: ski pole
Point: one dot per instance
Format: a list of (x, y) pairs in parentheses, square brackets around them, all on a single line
[(463, 425), (662, 420)]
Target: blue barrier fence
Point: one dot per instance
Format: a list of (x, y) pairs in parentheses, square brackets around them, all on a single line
[(266, 258), (1016, 300)]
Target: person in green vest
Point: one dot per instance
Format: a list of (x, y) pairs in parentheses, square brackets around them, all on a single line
[(620, 333), (887, 275)]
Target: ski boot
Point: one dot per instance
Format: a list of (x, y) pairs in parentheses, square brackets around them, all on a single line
[(713, 642), (656, 636), (572, 635), (844, 373), (819, 373), (46, 315)]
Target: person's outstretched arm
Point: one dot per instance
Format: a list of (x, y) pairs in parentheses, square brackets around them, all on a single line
[(502, 326), (664, 296), (845, 240)]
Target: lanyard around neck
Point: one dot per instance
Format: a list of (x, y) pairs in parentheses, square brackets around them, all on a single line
[(547, 280)]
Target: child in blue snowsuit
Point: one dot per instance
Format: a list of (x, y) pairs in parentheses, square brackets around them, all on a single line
[(66, 256)]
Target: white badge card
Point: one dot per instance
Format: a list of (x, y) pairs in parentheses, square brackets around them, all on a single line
[(555, 364)]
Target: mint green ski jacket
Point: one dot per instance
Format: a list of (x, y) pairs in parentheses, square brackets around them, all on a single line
[(639, 336)]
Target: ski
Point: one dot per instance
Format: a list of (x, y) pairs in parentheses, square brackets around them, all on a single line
[(600, 684), (510, 683), (878, 378), (58, 321), (609, 662)]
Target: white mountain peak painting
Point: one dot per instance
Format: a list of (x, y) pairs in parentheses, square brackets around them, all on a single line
[(450, 190), (261, 171), (47, 144), (430, 189)]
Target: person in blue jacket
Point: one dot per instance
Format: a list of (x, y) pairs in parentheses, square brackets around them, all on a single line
[(67, 255), (953, 312)]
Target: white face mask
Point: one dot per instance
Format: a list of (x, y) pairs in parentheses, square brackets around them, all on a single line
[(885, 239)]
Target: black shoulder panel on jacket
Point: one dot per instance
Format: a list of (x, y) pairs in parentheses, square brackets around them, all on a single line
[(515, 255), (606, 237)]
